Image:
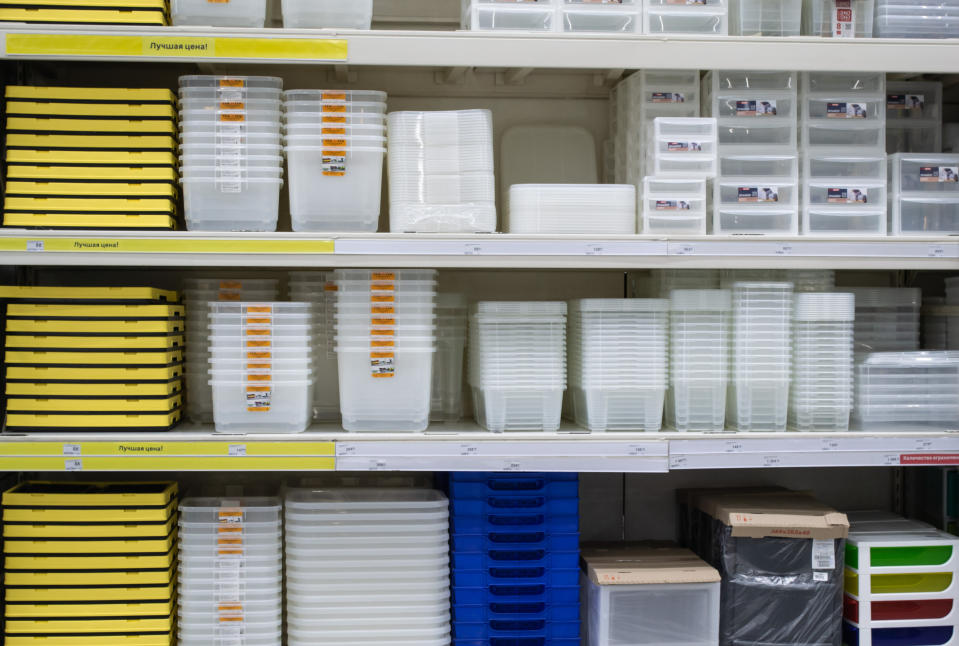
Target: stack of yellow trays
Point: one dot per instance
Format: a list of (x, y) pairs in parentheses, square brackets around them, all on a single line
[(90, 564), (92, 358), (88, 12), (90, 158)]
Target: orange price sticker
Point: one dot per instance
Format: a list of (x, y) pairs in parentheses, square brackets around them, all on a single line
[(378, 321), (259, 378), (382, 355), (382, 287), (231, 284), (382, 298), (381, 309), (334, 108), (330, 287), (259, 321), (382, 344), (232, 105), (336, 143), (259, 332), (259, 309), (334, 131), (334, 119), (382, 275), (259, 366), (229, 296), (259, 355), (382, 333), (229, 607), (233, 117), (334, 96), (227, 82), (259, 344)]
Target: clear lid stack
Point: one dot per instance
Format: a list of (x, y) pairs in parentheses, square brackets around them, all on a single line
[(666, 280), (618, 363), (319, 289), (448, 363), (699, 338), (517, 364), (230, 152), (231, 571), (440, 167), (335, 145), (843, 138), (761, 356), (757, 187), (385, 341), (367, 566), (887, 319), (908, 390), (601, 209), (820, 398), (811, 280), (261, 366), (914, 116), (925, 194)]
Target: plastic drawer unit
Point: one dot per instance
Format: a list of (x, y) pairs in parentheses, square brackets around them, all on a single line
[(704, 17), (500, 15), (674, 206), (844, 194), (925, 194), (684, 147), (913, 117), (765, 17)]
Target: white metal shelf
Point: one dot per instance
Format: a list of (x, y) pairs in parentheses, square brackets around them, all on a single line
[(505, 251), (491, 49)]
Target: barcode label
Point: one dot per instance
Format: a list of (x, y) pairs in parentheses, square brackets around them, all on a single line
[(823, 554)]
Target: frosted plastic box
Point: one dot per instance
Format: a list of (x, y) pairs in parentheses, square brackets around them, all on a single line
[(913, 117), (236, 13), (327, 14), (624, 17), (843, 193), (684, 147), (674, 206), (707, 17), (756, 111), (765, 17), (830, 19), (908, 390), (229, 204), (925, 194), (844, 110), (499, 15)]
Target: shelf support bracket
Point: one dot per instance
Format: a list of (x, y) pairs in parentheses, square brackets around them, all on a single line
[(608, 78), (514, 76), (451, 76)]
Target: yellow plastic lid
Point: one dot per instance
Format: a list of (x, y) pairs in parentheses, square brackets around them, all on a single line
[(103, 390), (126, 578), (92, 421), (85, 546), (120, 328), (91, 94), (96, 221), (55, 373), (49, 493), (132, 295), (107, 205), (87, 514), (163, 143), (114, 609), (88, 173), (156, 592), (44, 357), (165, 157), (90, 126), (156, 639), (65, 109), (62, 562), (64, 405), (149, 189), (84, 311), (26, 341), (113, 531), (81, 16)]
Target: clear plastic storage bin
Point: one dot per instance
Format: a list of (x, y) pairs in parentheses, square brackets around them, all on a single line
[(500, 15), (765, 17), (908, 390), (203, 13), (833, 19), (624, 17), (327, 14)]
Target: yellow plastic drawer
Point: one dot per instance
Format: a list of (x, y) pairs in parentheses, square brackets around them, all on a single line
[(88, 295), (159, 593), (162, 157), (108, 205), (124, 578), (37, 494), (93, 221), (159, 143), (76, 625), (88, 126), (84, 16), (159, 639), (50, 373), (80, 358), (931, 582), (92, 421), (38, 342), (87, 173), (86, 546), (34, 405), (91, 94), (116, 609)]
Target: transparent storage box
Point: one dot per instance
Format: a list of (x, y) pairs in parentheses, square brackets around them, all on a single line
[(765, 17), (327, 14), (820, 18), (203, 13), (499, 15)]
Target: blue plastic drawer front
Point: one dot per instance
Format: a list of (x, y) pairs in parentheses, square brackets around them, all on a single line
[(528, 628), (514, 540), (515, 559), (491, 476), (514, 487), (473, 524), (525, 593), (517, 641), (515, 505), (516, 611), (918, 636), (515, 576)]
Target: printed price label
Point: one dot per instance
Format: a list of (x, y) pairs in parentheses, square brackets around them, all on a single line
[(258, 398), (512, 465), (237, 450), (891, 459), (830, 445), (34, 245), (71, 449), (473, 250), (847, 195), (685, 250), (756, 108), (937, 174), (846, 110), (936, 251), (771, 461), (784, 250), (73, 465), (843, 19), (636, 449), (750, 194), (823, 554), (733, 447), (820, 576), (469, 449), (677, 461), (667, 97)]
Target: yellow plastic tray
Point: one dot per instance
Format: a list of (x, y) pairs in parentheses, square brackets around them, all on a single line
[(125, 578), (107, 205), (141, 406), (119, 609), (89, 221), (149, 189), (116, 4), (43, 125), (42, 494), (107, 390), (78, 358), (88, 173), (79, 530), (60, 562), (91, 94), (118, 328), (78, 547), (46, 311), (131, 295), (92, 421), (77, 625), (125, 515), (158, 158), (158, 639), (90, 16), (27, 594), (63, 109), (25, 341), (52, 373), (119, 142)]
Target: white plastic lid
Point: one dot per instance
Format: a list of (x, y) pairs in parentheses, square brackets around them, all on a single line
[(700, 300), (520, 308), (619, 305), (913, 359), (247, 502), (830, 306), (886, 297), (230, 82)]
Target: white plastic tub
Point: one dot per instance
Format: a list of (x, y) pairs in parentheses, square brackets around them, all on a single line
[(276, 407), (386, 392), (234, 13), (226, 205), (327, 14)]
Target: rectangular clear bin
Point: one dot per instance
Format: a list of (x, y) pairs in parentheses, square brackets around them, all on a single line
[(219, 510), (839, 163), (925, 175), (862, 110), (925, 216), (914, 390), (729, 220), (618, 409), (203, 13), (738, 164), (757, 405), (765, 17), (262, 406), (821, 18), (500, 15), (385, 393), (844, 133), (910, 101), (915, 137), (680, 20), (327, 14), (513, 409), (619, 18), (831, 221), (231, 205)]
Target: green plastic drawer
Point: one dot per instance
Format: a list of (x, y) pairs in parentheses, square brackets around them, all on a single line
[(904, 556)]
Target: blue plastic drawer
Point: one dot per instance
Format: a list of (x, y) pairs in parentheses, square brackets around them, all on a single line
[(514, 540), (516, 628), (523, 593), (515, 505), (487, 476), (485, 523), (517, 641), (515, 559), (499, 610), (515, 576), (514, 487), (919, 636)]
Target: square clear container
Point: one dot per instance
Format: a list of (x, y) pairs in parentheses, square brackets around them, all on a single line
[(925, 216), (502, 15), (731, 220), (924, 175), (676, 19), (203, 13), (765, 17), (862, 136), (231, 205), (327, 14), (826, 220), (262, 407), (755, 192), (820, 19), (619, 17), (514, 409)]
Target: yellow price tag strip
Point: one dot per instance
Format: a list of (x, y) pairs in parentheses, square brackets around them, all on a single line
[(164, 245), (173, 463), (236, 448), (224, 47)]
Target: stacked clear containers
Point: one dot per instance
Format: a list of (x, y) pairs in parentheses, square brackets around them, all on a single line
[(210, 13), (707, 17), (913, 116), (440, 167), (327, 14), (385, 340), (666, 280), (319, 289), (887, 319), (674, 206), (517, 364), (844, 153), (335, 143), (912, 19), (198, 293), (447, 389), (908, 391), (952, 319), (820, 397), (838, 18), (757, 188), (699, 336), (367, 566), (684, 147), (231, 572), (761, 354), (811, 280), (765, 17), (602, 209), (925, 194), (261, 366), (230, 153), (618, 363)]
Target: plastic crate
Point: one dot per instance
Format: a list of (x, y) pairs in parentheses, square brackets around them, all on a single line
[(513, 628), (505, 505), (514, 487), (463, 543), (500, 611), (515, 559), (515, 576), (516, 593), (477, 524)]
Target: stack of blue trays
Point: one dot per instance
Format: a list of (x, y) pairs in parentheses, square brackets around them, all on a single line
[(515, 559)]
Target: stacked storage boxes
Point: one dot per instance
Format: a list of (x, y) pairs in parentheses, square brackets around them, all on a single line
[(327, 14), (447, 388), (925, 194), (623, 16), (900, 582), (367, 566), (335, 144), (649, 595), (128, 13), (887, 319), (92, 358), (908, 390), (674, 206), (913, 117), (203, 13), (844, 153), (704, 17), (231, 571), (90, 158), (757, 189), (931, 19), (319, 288), (515, 546), (683, 153), (90, 564), (560, 209), (231, 155), (765, 17)]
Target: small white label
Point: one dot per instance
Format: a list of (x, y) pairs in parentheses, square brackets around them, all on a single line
[(378, 465), (820, 576), (594, 250), (771, 461), (733, 447), (34, 245), (512, 465), (784, 250), (936, 251), (71, 449), (472, 249), (923, 444), (823, 554), (677, 461), (891, 459), (830, 445), (636, 449), (469, 449), (237, 450), (73, 465), (686, 250)]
